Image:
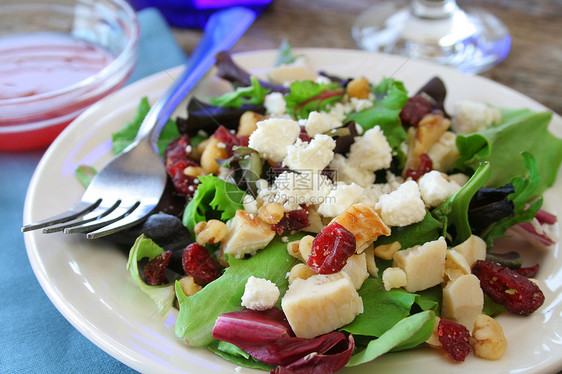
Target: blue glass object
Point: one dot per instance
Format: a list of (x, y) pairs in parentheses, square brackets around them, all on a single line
[(194, 14)]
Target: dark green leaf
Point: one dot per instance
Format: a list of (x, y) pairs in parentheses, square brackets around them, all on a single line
[(524, 189), (492, 308)]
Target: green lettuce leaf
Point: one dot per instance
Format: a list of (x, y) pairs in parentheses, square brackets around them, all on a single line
[(234, 354), (524, 189), (391, 96), (454, 211), (285, 55), (164, 295), (125, 136), (383, 309), (213, 199), (415, 234), (199, 312), (407, 333), (520, 130), (85, 174), (253, 94), (492, 308), (308, 96)]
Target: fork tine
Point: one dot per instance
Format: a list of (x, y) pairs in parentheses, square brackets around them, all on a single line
[(77, 210), (119, 213), (132, 219), (95, 214)]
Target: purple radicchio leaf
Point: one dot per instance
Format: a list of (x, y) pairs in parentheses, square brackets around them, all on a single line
[(316, 363), (268, 337), (227, 69)]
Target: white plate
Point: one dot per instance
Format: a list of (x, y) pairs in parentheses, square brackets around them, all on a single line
[(88, 283)]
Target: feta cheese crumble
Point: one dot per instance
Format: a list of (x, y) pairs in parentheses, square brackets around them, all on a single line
[(260, 294), (293, 189), (435, 189), (319, 122), (273, 136), (313, 156), (339, 199), (275, 104), (371, 151), (403, 206), (470, 116), (350, 173)]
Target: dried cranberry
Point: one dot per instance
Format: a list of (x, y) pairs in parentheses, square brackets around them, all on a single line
[(528, 272), (292, 220), (243, 140), (331, 249), (227, 138), (154, 273), (414, 110), (177, 156), (179, 149), (426, 165), (198, 263), (303, 135), (454, 338), (184, 184), (509, 288)]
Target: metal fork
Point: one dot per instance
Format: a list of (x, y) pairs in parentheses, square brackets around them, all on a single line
[(130, 186)]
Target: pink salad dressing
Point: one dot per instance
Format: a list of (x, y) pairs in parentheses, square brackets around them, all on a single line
[(33, 64)]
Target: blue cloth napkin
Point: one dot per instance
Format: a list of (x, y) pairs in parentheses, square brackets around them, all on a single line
[(34, 336)]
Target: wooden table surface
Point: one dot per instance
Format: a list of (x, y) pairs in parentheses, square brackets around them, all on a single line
[(533, 67)]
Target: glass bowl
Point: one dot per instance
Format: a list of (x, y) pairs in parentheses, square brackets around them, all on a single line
[(33, 118)]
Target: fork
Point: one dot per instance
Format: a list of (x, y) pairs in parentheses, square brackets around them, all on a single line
[(130, 186)]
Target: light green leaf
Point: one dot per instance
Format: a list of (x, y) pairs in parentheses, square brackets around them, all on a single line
[(85, 174), (308, 96), (407, 333), (234, 354), (144, 247), (391, 98), (285, 55), (520, 130), (213, 199), (415, 234), (253, 94), (125, 136)]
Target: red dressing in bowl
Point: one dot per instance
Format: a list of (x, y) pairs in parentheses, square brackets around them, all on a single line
[(34, 64)]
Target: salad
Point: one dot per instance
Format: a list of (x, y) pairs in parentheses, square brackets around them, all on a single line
[(343, 219)]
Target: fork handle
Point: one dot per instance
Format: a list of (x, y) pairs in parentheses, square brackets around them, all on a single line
[(222, 31)]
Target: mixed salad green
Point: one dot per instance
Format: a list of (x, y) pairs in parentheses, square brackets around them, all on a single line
[(507, 164)]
